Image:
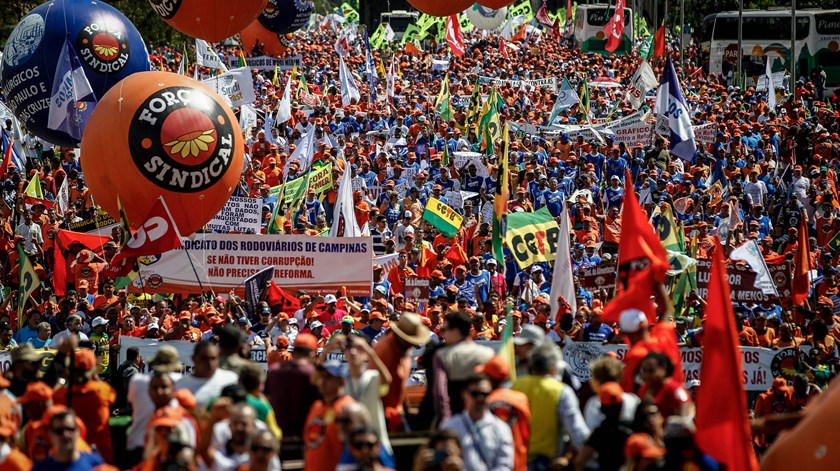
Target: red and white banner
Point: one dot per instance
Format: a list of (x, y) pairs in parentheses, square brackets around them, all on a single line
[(454, 37), (615, 27), (318, 265), (158, 234)]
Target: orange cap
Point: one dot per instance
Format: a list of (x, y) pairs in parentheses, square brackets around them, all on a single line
[(84, 360), (37, 391), (306, 340), (496, 369), (610, 394)]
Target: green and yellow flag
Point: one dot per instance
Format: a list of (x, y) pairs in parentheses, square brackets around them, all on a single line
[(506, 352), (350, 13), (662, 221), (28, 282), (584, 111), (33, 189), (444, 218), (124, 225), (488, 122), (474, 111), (242, 61), (443, 104), (377, 37), (532, 237), (500, 201)]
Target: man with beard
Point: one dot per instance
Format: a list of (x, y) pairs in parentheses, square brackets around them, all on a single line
[(74, 328)]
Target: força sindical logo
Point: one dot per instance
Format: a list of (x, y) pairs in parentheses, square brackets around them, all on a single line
[(181, 139), (103, 46)]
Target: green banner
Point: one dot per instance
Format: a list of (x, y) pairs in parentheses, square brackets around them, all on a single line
[(532, 237), (320, 180)]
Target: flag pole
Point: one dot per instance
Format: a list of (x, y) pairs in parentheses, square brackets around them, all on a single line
[(187, 252)]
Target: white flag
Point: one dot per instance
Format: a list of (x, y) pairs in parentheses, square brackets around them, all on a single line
[(643, 81), (390, 82), (671, 108), (72, 100), (389, 33), (247, 118), (563, 282), (344, 209), (181, 66), (566, 98), (235, 86), (284, 108), (749, 253), (771, 88), (303, 152), (206, 56), (349, 90), (63, 197)]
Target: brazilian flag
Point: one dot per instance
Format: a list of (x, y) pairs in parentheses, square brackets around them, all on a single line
[(28, 282)]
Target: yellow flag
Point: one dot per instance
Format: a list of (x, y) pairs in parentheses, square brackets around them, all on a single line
[(33, 189), (28, 282)]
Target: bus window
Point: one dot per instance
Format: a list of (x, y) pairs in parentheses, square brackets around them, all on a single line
[(828, 24), (768, 28)]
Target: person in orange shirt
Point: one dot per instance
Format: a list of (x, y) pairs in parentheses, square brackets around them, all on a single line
[(92, 400), (588, 233), (184, 329), (322, 445), (273, 173), (361, 208), (14, 460), (399, 273), (279, 353), (87, 267), (108, 298), (766, 334), (510, 406)]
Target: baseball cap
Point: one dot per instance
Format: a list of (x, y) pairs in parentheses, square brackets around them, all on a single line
[(330, 298), (408, 214), (84, 360), (632, 320), (185, 315), (315, 325), (37, 391), (265, 310), (610, 394), (334, 368), (496, 369), (306, 340), (99, 321), (348, 320), (530, 334)]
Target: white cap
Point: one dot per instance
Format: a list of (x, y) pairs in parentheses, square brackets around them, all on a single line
[(632, 320), (408, 214), (315, 324), (153, 325), (99, 321), (293, 321), (330, 298)]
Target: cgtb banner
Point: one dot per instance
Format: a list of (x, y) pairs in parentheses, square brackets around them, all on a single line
[(761, 365), (240, 214), (317, 264), (532, 237)]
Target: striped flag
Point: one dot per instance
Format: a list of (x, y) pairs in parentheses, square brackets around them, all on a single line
[(28, 282), (584, 111), (500, 201), (454, 37), (506, 352), (442, 217), (442, 104)]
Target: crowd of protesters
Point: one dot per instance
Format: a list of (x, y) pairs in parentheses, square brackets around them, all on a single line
[(480, 412)]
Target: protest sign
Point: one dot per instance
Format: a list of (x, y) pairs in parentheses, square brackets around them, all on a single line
[(234, 86), (706, 132), (761, 365), (601, 276), (240, 214), (319, 265), (461, 160), (387, 262), (267, 63), (454, 199), (532, 237), (320, 179), (255, 285), (550, 82), (416, 290), (742, 282), (102, 222)]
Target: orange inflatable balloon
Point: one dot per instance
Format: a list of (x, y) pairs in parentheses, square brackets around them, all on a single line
[(162, 134), (212, 20), (441, 7), (494, 4), (271, 44)]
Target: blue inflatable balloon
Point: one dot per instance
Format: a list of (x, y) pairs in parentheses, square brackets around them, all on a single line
[(107, 45), (286, 16)]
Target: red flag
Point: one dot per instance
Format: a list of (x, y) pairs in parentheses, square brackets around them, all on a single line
[(64, 240), (456, 255), (521, 34), (118, 270), (31, 200), (723, 430), (542, 16), (615, 27), (8, 158), (640, 245), (659, 42), (801, 284), (277, 296), (636, 297), (503, 48), (158, 234), (568, 11), (411, 49), (454, 37)]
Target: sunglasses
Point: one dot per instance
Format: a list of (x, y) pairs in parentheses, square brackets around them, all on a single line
[(479, 394), (63, 430), (363, 444), (263, 449)]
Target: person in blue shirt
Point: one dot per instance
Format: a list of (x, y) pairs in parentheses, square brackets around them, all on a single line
[(596, 158), (471, 181), (466, 289), (613, 194), (479, 278), (397, 177), (30, 330), (64, 433), (313, 207), (555, 199), (616, 165), (595, 330)]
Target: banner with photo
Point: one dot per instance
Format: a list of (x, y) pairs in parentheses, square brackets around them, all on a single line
[(319, 265)]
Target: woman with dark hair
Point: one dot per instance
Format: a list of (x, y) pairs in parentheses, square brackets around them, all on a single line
[(659, 386), (821, 341), (645, 448)]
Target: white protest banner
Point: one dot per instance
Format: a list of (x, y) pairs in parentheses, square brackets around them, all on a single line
[(268, 63), (778, 79), (487, 211), (461, 160), (207, 57), (149, 347), (706, 132), (401, 189), (454, 199), (439, 65), (761, 365), (235, 86), (550, 82), (317, 264), (387, 262), (240, 214)]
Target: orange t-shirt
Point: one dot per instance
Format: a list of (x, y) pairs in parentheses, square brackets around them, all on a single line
[(399, 365), (512, 407), (322, 445), (103, 301), (16, 461), (89, 272), (92, 402), (397, 278)]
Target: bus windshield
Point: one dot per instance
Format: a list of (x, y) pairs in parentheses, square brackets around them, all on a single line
[(600, 16), (769, 28)]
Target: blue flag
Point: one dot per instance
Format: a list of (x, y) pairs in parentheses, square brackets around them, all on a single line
[(72, 99), (671, 106), (370, 69)]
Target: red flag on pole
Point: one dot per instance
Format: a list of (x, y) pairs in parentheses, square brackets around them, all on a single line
[(503, 47), (640, 248), (277, 296), (723, 429), (568, 11), (615, 27), (8, 157), (454, 37), (801, 284), (542, 16), (412, 49), (659, 42), (158, 234)]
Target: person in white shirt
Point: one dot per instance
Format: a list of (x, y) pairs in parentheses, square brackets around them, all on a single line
[(74, 327), (31, 233), (799, 185), (206, 380), (756, 190), (33, 146)]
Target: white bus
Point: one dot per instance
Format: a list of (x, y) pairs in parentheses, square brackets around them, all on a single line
[(589, 29), (399, 20), (766, 35)]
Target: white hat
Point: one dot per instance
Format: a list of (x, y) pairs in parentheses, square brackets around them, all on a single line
[(153, 325), (632, 320), (99, 321), (293, 321), (315, 324), (408, 214), (330, 298)]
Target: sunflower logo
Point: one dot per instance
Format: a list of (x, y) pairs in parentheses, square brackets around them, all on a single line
[(191, 144), (105, 50)]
